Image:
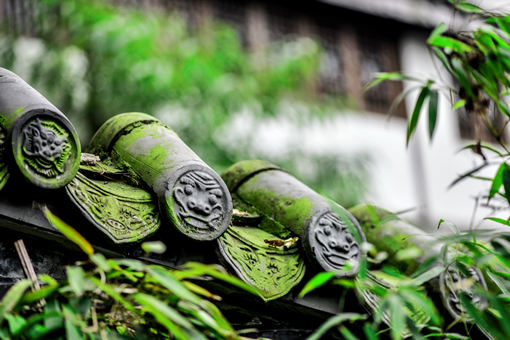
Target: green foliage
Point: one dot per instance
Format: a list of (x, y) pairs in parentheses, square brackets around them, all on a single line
[(117, 299), (404, 306)]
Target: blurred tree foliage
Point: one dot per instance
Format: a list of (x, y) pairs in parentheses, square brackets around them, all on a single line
[(94, 59)]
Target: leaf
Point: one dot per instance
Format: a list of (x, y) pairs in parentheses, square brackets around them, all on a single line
[(15, 322), (497, 182), (156, 247), (52, 307), (347, 334), (416, 112), (76, 278), (420, 304), (459, 104), (100, 261), (199, 269), (408, 253), (12, 297), (451, 43), (200, 290), (370, 332), (42, 293), (384, 76), (427, 276), (467, 174), (204, 317), (439, 30), (335, 321), (163, 313), (317, 281), (498, 220), (68, 231), (460, 74), (439, 223), (486, 146), (167, 280), (399, 99), (47, 279), (469, 8), (108, 289), (73, 332), (444, 59), (506, 181), (433, 101), (397, 317)]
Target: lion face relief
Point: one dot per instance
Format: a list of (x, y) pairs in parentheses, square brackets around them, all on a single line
[(42, 142), (334, 243), (45, 147), (199, 201)]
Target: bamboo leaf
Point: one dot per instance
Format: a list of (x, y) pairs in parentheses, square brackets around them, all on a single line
[(433, 101), (427, 276), (200, 290), (156, 247), (443, 58), (76, 277), (498, 220), (397, 317), (489, 147), (73, 332), (469, 8), (15, 322), (12, 297), (370, 332), (451, 43), (158, 308), (506, 181), (497, 181), (42, 293), (68, 232), (467, 174), (167, 280), (462, 76), (439, 30), (317, 281), (459, 104), (399, 99), (413, 121), (203, 269), (439, 223), (384, 76), (108, 289), (347, 334), (53, 310), (335, 321)]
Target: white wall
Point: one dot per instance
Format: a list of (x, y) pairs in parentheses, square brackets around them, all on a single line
[(400, 178)]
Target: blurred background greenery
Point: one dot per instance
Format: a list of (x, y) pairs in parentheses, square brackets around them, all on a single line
[(95, 59)]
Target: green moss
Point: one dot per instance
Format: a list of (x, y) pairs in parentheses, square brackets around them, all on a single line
[(286, 210), (273, 270), (243, 170), (123, 212), (388, 233)]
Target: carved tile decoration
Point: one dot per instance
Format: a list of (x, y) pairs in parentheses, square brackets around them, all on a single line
[(123, 212), (273, 270), (199, 202), (454, 281), (45, 147), (333, 243)]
